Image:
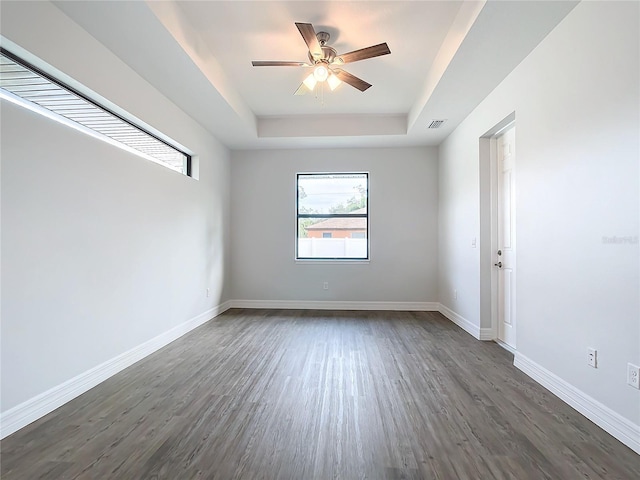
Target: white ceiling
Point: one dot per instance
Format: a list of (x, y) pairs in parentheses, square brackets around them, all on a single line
[(446, 56), (266, 31)]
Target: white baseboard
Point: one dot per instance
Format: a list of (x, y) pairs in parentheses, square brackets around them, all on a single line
[(508, 348), (23, 414), (486, 334), (613, 423), (466, 325), (44, 403), (479, 333), (336, 305)]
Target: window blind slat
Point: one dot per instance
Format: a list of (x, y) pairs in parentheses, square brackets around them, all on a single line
[(34, 87)]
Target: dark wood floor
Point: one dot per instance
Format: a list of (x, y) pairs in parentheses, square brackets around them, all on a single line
[(275, 394)]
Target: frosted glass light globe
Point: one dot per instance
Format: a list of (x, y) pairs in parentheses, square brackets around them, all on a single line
[(321, 73)]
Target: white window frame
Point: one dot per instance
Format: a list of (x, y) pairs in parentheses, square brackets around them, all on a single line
[(336, 260)]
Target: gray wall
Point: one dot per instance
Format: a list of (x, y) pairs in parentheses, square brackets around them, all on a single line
[(576, 103), (403, 226), (101, 249)]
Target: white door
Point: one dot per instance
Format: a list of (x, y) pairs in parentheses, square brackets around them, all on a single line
[(505, 256)]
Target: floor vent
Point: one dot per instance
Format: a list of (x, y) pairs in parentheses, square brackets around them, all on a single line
[(436, 123)]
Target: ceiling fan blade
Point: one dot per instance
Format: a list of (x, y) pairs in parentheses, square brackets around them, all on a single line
[(352, 80), (302, 90), (364, 53), (257, 63), (309, 35)]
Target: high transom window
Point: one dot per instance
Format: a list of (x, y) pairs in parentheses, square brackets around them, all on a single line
[(332, 216), (30, 87)]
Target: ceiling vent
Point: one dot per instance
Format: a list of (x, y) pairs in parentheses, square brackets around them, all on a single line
[(436, 123)]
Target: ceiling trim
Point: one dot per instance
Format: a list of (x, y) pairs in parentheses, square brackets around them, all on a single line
[(172, 18), (463, 22), (331, 125), (485, 41)]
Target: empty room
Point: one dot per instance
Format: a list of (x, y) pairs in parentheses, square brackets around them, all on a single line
[(320, 240)]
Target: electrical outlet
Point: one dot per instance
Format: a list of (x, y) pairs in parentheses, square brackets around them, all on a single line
[(325, 286), (208, 292), (593, 357), (633, 375), (455, 294)]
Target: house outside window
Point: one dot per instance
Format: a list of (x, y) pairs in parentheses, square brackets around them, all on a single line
[(344, 227), (332, 211)]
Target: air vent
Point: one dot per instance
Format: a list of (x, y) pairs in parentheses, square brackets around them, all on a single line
[(436, 123)]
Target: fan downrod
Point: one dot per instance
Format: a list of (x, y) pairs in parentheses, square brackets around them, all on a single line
[(323, 38), (328, 53)]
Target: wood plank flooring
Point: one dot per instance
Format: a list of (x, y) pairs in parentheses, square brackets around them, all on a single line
[(278, 394)]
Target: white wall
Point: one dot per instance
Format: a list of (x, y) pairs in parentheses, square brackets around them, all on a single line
[(101, 249), (576, 100), (403, 227)]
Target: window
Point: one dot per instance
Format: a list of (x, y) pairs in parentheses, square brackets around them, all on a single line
[(30, 87), (332, 211)]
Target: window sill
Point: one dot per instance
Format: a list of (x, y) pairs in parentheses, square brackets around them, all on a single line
[(318, 261)]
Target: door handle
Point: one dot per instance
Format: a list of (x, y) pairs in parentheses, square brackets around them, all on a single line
[(499, 264)]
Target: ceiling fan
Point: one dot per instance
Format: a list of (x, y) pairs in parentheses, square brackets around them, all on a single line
[(326, 61)]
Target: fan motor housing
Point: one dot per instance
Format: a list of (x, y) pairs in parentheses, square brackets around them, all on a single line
[(328, 55)]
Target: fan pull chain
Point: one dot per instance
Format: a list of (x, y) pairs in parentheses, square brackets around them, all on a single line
[(319, 93)]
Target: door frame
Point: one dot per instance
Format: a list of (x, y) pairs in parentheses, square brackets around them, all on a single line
[(489, 229)]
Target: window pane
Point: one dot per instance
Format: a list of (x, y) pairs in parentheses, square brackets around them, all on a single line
[(332, 193), (332, 238), (332, 216)]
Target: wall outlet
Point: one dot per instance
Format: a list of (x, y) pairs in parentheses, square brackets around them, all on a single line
[(633, 375), (208, 293), (455, 294), (325, 286), (592, 358)]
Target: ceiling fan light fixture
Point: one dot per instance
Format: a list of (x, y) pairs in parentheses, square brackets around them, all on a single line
[(333, 81), (325, 61), (310, 81), (321, 72)]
